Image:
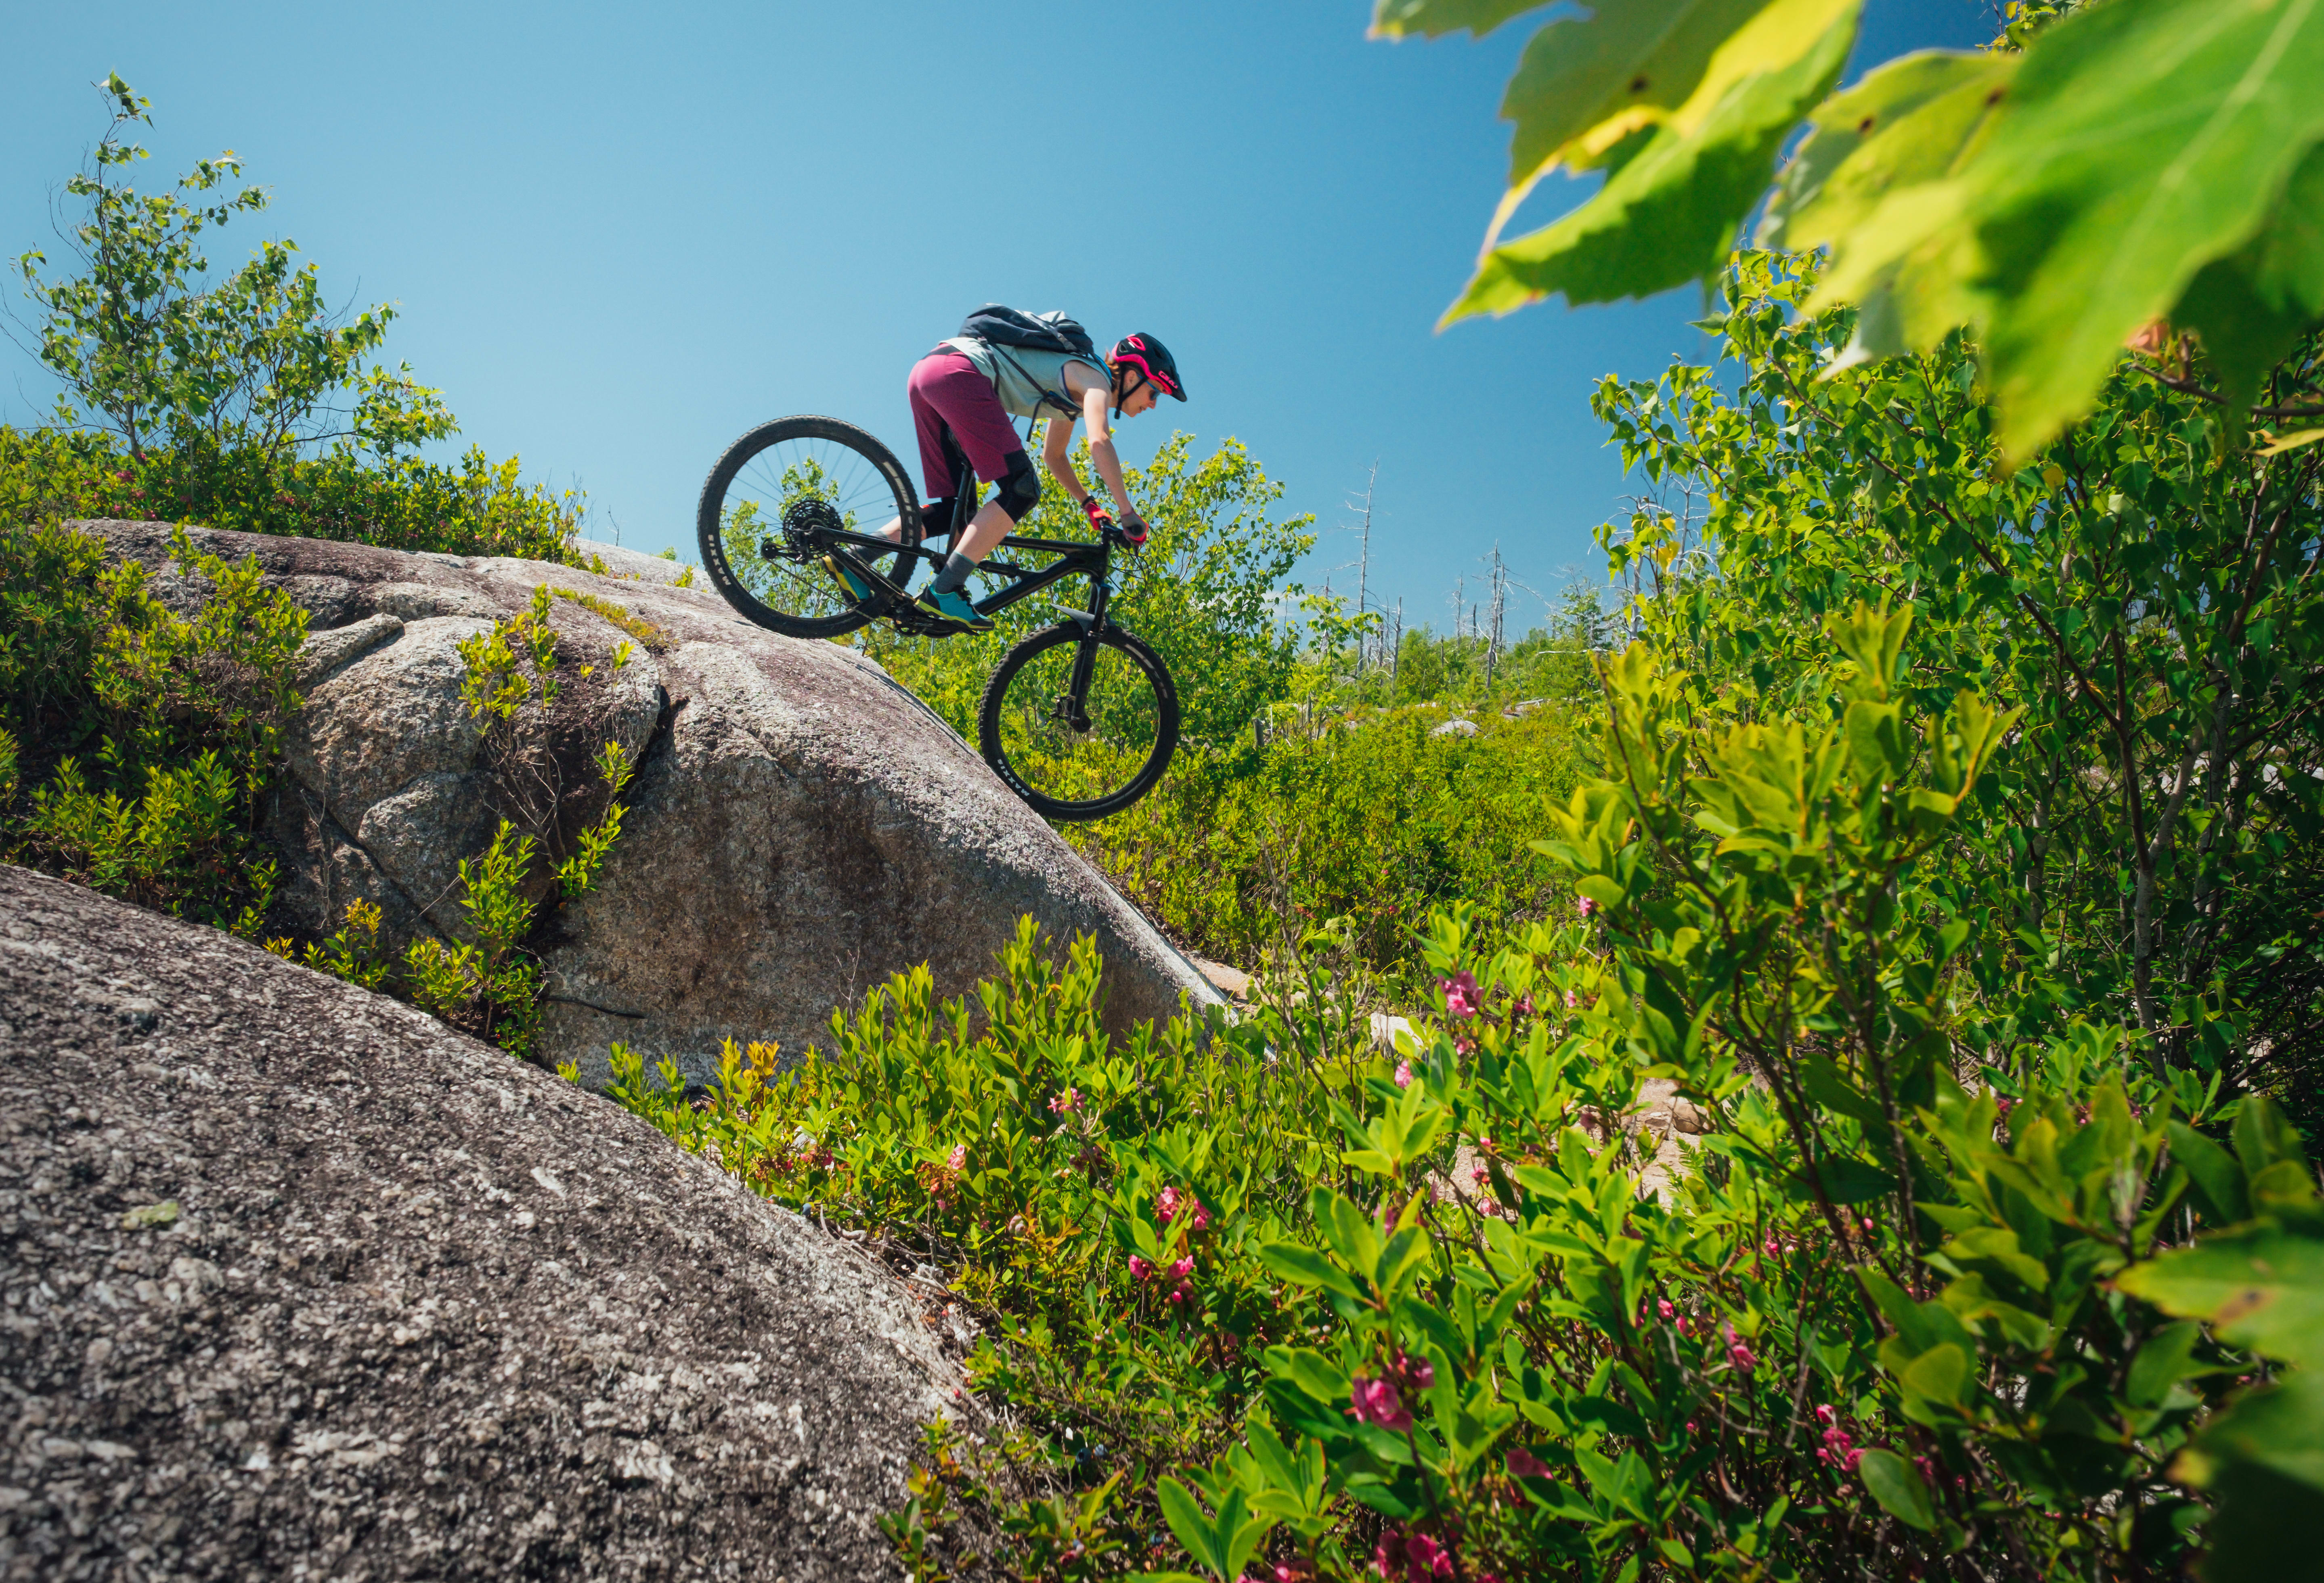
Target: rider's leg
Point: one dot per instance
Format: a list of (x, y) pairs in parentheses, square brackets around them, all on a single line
[(1019, 492)]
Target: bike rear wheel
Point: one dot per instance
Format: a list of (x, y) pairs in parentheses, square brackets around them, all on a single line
[(1084, 765), (769, 506)]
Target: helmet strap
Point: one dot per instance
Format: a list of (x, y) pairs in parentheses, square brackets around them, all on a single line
[(1122, 393)]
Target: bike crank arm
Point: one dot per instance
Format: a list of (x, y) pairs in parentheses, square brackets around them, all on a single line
[(871, 575)]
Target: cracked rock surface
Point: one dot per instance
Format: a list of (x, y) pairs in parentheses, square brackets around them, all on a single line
[(296, 1282), (799, 827)]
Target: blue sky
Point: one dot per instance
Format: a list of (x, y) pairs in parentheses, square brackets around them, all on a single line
[(619, 235)]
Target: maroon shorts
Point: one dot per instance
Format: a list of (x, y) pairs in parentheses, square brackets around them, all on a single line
[(949, 393)]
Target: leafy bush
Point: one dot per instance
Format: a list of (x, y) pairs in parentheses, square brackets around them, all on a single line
[(2030, 191), (1357, 830), (2143, 591), (244, 405), (487, 982), (136, 741), (250, 365), (1294, 1304), (477, 507)]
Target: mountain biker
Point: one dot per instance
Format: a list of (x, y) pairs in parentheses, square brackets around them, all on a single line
[(970, 388)]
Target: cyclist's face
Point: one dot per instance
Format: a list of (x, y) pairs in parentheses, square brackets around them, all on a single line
[(1141, 400)]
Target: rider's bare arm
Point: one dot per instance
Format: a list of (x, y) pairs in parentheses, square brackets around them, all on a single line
[(1056, 455), (1094, 392)]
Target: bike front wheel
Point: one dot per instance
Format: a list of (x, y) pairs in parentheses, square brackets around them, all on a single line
[(770, 506), (1079, 726)]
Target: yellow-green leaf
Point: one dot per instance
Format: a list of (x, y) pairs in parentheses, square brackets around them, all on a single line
[(2143, 140), (1669, 210), (2261, 1288), (1398, 19)]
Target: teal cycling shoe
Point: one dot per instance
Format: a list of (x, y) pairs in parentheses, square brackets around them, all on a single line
[(849, 578), (953, 608)]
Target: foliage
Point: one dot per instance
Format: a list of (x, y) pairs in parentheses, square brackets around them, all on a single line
[(1307, 1306), (245, 404), (476, 507), (484, 980), (247, 365), (1949, 857), (1207, 593), (2142, 590), (1356, 826), (135, 740), (2134, 161)]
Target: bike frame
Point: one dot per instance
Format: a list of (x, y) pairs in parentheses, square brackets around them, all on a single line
[(1076, 558)]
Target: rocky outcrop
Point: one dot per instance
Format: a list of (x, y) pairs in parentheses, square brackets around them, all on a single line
[(799, 828), (301, 1282)]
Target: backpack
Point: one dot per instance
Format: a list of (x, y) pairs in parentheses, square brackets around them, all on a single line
[(1048, 332)]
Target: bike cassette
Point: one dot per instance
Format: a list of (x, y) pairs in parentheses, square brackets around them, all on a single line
[(809, 523)]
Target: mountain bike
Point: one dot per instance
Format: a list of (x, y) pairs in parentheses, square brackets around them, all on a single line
[(1079, 719)]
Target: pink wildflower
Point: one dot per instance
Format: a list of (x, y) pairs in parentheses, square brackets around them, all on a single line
[(1839, 1448), (1585, 905), (1377, 1402), (1428, 1558), (1139, 1268), (1663, 1306), (1167, 1204), (1416, 1373), (1524, 1464), (1182, 1268), (1571, 1000), (1691, 1426), (959, 1160), (1066, 1103), (1404, 1074), (1735, 1350), (1461, 996)]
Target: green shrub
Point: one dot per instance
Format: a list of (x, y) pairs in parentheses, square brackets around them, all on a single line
[(242, 404), (1357, 830), (1257, 1294), (2143, 588), (137, 741), (488, 983), (477, 507)]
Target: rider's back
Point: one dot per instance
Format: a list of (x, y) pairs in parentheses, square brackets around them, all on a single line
[(1023, 375)]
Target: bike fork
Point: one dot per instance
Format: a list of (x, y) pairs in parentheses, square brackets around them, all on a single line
[(1085, 656)]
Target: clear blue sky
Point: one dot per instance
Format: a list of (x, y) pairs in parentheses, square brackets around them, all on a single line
[(621, 234)]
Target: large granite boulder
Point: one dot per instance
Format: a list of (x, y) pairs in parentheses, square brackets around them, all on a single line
[(297, 1281), (800, 828)]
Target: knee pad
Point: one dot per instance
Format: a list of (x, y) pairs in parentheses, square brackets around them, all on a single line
[(1021, 490)]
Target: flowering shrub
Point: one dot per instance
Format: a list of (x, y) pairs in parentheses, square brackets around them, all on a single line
[(1251, 1319)]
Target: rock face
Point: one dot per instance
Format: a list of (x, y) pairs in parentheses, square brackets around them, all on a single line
[(799, 825), (299, 1282)]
